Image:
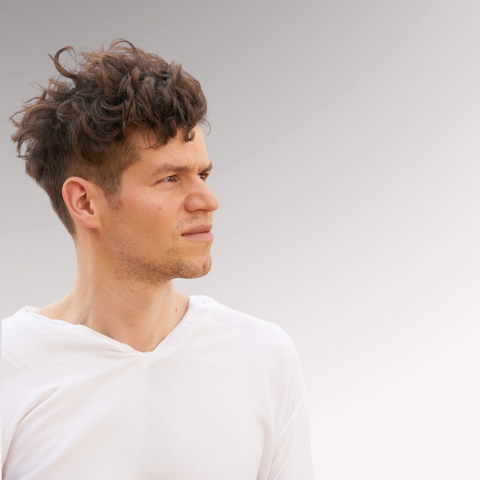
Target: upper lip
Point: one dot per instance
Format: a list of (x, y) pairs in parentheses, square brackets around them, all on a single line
[(199, 229)]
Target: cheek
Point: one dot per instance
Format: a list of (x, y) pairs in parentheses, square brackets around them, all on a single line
[(158, 219), (150, 215)]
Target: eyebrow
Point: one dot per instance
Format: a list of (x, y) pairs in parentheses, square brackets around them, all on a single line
[(175, 168)]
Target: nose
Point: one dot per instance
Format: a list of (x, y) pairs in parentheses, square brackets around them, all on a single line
[(201, 199)]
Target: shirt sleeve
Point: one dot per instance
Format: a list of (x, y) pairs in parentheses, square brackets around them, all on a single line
[(14, 385), (292, 459), (292, 455)]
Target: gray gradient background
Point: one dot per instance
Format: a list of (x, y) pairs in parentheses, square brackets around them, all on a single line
[(345, 143)]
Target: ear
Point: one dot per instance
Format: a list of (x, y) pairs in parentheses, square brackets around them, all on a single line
[(83, 199)]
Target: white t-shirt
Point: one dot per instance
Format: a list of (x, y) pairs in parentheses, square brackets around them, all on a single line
[(222, 397)]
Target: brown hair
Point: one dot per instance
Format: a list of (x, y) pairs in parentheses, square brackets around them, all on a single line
[(80, 126)]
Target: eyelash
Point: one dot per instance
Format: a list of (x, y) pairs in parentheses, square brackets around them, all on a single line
[(207, 174)]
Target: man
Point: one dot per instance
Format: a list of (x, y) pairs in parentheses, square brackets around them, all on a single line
[(125, 378)]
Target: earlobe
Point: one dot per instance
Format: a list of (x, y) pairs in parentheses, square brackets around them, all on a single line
[(80, 196)]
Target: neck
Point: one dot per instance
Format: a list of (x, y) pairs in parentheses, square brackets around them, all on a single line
[(133, 313)]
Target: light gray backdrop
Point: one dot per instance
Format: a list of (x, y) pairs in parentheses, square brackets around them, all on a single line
[(345, 138)]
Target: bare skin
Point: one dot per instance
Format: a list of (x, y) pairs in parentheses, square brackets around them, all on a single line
[(128, 254)]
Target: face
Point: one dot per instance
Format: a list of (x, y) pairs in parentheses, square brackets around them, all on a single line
[(163, 196)]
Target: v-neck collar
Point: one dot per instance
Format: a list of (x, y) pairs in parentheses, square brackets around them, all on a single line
[(89, 332)]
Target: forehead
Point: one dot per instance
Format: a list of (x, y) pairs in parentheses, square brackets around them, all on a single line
[(177, 152)]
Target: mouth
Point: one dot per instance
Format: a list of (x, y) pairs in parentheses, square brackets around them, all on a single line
[(202, 232)]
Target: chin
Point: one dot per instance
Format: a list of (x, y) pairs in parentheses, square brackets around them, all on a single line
[(194, 269)]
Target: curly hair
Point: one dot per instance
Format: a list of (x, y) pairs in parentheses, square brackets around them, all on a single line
[(80, 125)]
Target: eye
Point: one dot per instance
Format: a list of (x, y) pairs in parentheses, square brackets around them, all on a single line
[(169, 179), (204, 175)]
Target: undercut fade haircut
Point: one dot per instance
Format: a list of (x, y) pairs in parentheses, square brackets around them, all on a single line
[(80, 124)]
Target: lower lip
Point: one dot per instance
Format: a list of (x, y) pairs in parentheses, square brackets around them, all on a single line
[(204, 236)]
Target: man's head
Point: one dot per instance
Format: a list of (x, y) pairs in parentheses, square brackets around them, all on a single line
[(118, 148), (82, 125)]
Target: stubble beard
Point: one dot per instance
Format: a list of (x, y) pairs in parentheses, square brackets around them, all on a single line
[(138, 269)]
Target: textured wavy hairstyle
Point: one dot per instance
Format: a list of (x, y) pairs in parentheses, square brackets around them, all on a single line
[(80, 124)]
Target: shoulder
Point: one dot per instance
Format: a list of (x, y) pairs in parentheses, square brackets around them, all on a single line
[(226, 317), (265, 350), (23, 336), (15, 330), (19, 340), (245, 331)]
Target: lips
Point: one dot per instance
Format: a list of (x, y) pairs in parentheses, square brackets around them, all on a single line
[(199, 229)]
